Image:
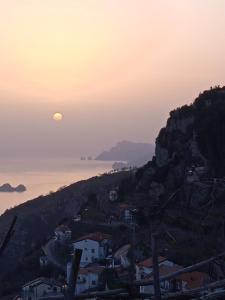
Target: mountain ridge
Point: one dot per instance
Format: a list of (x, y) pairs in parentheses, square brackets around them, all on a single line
[(129, 154)]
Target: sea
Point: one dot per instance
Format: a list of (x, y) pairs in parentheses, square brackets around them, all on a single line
[(42, 176)]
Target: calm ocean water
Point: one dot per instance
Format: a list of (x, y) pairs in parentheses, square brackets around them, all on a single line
[(41, 176)]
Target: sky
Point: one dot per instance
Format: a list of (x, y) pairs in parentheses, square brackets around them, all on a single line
[(113, 68)]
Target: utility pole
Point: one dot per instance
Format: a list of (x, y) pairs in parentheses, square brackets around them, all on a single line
[(132, 288), (73, 274), (155, 263), (8, 236)]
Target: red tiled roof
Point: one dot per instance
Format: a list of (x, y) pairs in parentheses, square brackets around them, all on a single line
[(123, 206), (163, 271), (194, 279), (147, 263), (91, 269), (96, 236)]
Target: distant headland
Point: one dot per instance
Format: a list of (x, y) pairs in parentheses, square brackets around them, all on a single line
[(128, 154), (7, 188)]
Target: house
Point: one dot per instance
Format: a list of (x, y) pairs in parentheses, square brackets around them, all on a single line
[(194, 280), (41, 287), (182, 282), (145, 267), (63, 233), (168, 285), (94, 247), (113, 195), (88, 277), (125, 212)]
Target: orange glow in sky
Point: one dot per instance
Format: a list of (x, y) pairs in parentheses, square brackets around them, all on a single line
[(60, 49)]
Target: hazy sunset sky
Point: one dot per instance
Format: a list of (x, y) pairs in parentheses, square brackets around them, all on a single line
[(113, 68)]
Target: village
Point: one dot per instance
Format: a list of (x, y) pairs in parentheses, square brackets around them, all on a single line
[(91, 264), (96, 259)]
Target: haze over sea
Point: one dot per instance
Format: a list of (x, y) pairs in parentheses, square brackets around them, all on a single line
[(40, 176)]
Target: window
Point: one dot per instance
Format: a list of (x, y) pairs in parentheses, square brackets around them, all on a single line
[(85, 249), (86, 258), (93, 282), (92, 250)]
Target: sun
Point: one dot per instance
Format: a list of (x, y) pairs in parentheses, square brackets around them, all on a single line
[(57, 116)]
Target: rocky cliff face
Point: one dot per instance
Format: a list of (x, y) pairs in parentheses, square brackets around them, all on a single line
[(183, 187), (192, 142)]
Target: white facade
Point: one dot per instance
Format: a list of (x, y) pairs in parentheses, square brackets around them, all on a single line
[(93, 251), (165, 267), (88, 278), (86, 282), (165, 286), (63, 233), (143, 270), (38, 288)]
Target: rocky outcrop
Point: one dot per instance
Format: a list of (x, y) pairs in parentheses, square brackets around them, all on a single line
[(195, 134), (7, 188)]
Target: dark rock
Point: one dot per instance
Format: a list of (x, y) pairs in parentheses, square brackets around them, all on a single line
[(7, 188)]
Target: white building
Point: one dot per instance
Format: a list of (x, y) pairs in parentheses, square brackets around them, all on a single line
[(125, 212), (113, 195), (88, 278), (63, 233), (41, 287), (167, 285), (94, 247), (180, 283), (145, 267)]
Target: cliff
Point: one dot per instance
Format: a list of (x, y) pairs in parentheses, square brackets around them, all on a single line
[(182, 189)]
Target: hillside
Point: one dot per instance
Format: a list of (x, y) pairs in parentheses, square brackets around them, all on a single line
[(179, 193), (37, 220)]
